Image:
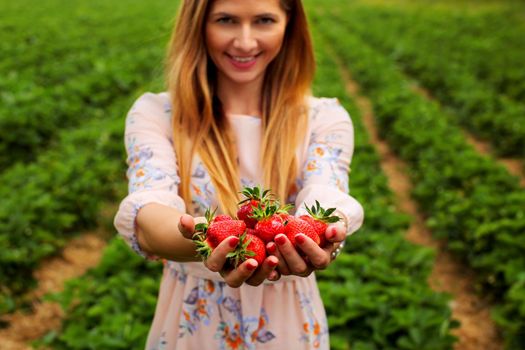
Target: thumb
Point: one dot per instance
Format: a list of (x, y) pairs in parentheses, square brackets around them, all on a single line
[(186, 226), (336, 232)]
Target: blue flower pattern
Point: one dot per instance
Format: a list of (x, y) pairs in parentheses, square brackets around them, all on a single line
[(315, 331), (234, 331), (141, 172)]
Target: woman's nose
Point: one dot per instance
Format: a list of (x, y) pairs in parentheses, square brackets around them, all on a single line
[(245, 39)]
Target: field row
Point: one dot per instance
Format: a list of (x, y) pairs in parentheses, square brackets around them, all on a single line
[(459, 64), (61, 150), (64, 70), (468, 200)]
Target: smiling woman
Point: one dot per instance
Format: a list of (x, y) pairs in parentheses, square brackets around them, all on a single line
[(238, 112)]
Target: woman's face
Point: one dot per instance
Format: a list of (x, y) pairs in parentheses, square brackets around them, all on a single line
[(243, 37)]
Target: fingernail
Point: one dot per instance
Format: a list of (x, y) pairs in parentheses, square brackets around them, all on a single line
[(280, 240), (252, 265), (270, 248), (273, 276), (272, 263), (330, 234), (184, 219), (233, 242), (300, 238)]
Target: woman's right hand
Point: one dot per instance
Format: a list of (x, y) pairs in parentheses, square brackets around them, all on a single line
[(247, 272)]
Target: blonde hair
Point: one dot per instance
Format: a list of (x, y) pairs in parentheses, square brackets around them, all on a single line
[(199, 124)]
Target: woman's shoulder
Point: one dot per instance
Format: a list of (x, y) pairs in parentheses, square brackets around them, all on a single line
[(150, 109), (152, 103), (327, 109)]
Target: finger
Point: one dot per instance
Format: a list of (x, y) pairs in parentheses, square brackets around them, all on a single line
[(236, 277), (264, 271), (274, 276), (217, 258), (317, 256), (335, 232), (282, 267), (295, 262), (186, 226)]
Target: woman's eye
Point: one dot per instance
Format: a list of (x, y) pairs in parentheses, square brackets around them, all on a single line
[(225, 20), (266, 20)]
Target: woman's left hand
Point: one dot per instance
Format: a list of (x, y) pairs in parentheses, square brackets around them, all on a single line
[(315, 257)]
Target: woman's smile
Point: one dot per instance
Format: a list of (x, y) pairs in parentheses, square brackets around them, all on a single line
[(243, 62)]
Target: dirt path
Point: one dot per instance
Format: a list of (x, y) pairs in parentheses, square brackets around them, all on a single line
[(80, 254), (513, 165), (477, 330)]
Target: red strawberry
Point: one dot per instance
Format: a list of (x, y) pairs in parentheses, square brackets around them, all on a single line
[(246, 211), (220, 230), (319, 219), (250, 246), (251, 231), (268, 228), (285, 216), (295, 226), (222, 217), (208, 235), (318, 226), (254, 197), (270, 220), (257, 246)]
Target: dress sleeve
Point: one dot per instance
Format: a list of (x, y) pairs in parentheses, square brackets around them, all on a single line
[(324, 175), (152, 167)]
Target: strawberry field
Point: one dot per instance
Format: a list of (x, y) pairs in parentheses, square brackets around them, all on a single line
[(439, 79)]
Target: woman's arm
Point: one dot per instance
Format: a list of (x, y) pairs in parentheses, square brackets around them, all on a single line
[(324, 178), (159, 233), (148, 217)]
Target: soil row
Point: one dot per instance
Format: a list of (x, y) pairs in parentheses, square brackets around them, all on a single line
[(477, 330), (80, 254)]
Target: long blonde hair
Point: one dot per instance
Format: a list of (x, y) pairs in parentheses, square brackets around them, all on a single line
[(199, 123)]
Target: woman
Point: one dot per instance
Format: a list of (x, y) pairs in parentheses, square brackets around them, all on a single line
[(238, 112)]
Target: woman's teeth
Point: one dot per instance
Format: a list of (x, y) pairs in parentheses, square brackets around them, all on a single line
[(243, 59)]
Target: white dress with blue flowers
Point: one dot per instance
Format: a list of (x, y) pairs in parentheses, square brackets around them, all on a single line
[(196, 309)]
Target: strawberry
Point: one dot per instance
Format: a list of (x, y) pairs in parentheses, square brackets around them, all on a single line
[(319, 228), (246, 211), (285, 216), (269, 222), (208, 235), (254, 197), (268, 228), (319, 219), (222, 217), (250, 246), (251, 231), (218, 231), (295, 225)]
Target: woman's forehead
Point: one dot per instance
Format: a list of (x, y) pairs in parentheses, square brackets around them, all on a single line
[(245, 6)]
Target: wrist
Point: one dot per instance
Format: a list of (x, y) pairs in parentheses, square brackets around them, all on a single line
[(338, 249), (342, 219)]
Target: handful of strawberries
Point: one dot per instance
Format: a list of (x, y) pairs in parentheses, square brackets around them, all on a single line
[(259, 219)]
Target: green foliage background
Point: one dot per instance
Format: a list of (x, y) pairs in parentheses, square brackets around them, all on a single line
[(70, 70)]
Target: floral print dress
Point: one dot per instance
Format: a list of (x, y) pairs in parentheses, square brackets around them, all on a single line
[(195, 308)]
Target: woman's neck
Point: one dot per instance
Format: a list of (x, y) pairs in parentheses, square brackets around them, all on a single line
[(242, 99)]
